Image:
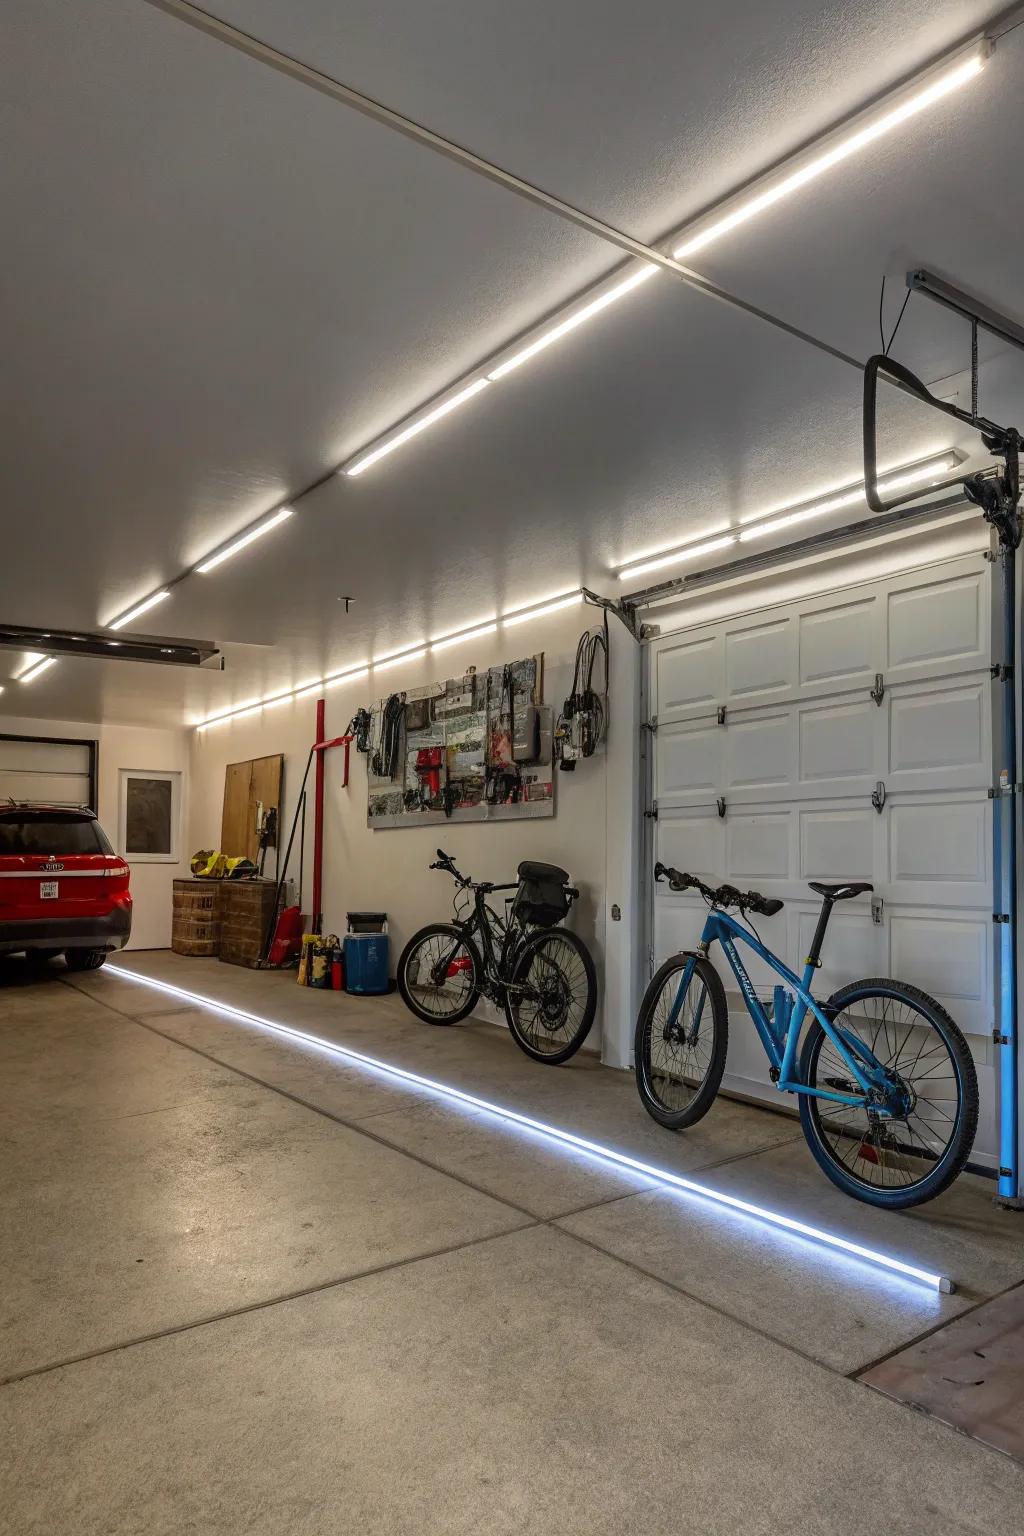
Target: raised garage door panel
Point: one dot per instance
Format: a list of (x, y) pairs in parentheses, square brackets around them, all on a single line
[(801, 749), (55, 772)]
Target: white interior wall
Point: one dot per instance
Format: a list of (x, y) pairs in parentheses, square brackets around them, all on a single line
[(387, 869), (133, 747)]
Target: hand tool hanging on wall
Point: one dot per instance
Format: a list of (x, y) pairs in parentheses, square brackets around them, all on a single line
[(359, 728), (580, 727), (384, 761)]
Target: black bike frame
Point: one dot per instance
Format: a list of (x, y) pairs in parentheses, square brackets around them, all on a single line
[(495, 962)]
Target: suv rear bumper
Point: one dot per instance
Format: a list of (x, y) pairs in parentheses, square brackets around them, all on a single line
[(106, 933)]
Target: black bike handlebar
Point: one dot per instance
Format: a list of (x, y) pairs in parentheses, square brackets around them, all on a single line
[(447, 863), (718, 896)]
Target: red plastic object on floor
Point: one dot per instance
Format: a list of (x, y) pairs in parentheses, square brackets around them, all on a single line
[(287, 941), (337, 972)]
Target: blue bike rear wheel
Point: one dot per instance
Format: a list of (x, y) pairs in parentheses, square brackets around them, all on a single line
[(680, 1042), (902, 1153)]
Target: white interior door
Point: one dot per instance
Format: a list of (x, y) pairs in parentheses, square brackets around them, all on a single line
[(772, 736)]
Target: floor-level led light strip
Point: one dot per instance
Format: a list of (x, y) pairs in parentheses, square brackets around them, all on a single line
[(552, 1133)]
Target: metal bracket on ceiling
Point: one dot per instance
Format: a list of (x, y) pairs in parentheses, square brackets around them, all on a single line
[(626, 613), (122, 646)]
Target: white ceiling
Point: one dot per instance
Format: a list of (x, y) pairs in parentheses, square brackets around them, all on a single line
[(220, 284)]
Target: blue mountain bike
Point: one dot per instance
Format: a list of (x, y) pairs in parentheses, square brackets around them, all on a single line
[(886, 1084)]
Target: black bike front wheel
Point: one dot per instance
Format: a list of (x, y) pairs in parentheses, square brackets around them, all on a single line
[(439, 974), (902, 1154), (681, 1042), (551, 995)]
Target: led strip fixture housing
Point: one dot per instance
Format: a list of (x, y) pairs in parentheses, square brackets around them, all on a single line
[(555, 1134), (830, 150), (762, 524), (538, 609)]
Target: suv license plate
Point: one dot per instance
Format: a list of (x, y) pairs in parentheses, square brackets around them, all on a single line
[(47, 890)]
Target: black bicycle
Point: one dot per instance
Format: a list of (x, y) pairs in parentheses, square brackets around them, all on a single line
[(541, 974)]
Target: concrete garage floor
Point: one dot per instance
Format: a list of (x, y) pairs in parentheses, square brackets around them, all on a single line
[(248, 1288)]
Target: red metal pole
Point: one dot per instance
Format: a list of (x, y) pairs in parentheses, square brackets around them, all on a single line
[(318, 821)]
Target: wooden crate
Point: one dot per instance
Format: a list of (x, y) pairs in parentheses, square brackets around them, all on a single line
[(195, 917), (246, 908)]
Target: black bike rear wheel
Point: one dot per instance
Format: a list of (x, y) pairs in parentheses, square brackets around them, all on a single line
[(551, 995), (439, 974)]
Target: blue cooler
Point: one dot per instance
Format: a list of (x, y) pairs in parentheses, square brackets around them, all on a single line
[(367, 954)]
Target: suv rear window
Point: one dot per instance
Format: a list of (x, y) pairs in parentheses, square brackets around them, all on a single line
[(51, 832)]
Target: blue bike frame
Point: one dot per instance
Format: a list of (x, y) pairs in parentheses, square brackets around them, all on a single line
[(781, 1033)]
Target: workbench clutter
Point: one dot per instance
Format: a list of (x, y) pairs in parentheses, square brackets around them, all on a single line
[(477, 747)]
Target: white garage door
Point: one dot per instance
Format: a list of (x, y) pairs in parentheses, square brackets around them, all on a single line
[(51, 772), (769, 718)]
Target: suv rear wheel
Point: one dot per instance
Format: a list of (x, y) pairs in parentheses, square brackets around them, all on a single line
[(84, 959)]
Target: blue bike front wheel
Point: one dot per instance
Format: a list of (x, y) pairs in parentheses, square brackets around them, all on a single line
[(681, 1039)]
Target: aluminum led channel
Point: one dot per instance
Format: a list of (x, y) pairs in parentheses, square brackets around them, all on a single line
[(934, 469), (518, 616), (843, 150), (694, 552), (563, 328), (416, 427), (212, 562), (139, 609), (554, 1133), (35, 670), (467, 634)]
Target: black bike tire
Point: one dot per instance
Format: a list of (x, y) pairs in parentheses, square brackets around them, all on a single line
[(678, 1120), (953, 1159), (520, 962), (403, 961)]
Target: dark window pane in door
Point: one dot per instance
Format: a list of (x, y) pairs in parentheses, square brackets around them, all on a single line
[(148, 816)]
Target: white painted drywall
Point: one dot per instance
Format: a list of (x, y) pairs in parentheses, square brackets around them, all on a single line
[(125, 746), (388, 869)]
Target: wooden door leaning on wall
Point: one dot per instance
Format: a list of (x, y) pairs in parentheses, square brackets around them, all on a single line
[(251, 790)]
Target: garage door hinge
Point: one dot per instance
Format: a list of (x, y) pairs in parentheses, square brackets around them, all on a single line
[(721, 714), (1001, 673), (652, 814), (878, 796), (650, 725), (878, 691)]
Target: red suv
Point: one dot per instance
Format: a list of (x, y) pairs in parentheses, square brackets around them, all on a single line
[(63, 889)]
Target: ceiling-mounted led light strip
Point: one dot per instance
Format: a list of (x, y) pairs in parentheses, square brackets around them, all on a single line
[(445, 641), (833, 149), (763, 524), (393, 661), (286, 696), (36, 669), (849, 145), (420, 424), (578, 317), (547, 605), (139, 609), (921, 474), (566, 1141), (538, 610), (678, 556), (243, 541)]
